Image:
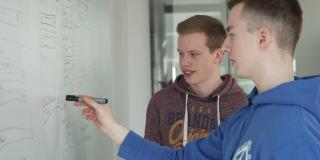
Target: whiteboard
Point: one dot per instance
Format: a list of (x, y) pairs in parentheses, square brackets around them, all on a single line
[(50, 48)]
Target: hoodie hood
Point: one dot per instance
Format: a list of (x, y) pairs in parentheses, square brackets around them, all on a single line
[(303, 92), (228, 86)]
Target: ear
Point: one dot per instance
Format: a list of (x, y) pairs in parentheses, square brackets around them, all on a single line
[(218, 55), (264, 37)]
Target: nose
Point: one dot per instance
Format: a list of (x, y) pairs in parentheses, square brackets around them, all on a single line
[(184, 60), (226, 46)]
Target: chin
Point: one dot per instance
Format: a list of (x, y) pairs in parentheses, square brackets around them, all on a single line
[(239, 74), (242, 75), (190, 82)]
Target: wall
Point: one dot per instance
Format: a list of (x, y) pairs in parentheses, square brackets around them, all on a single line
[(308, 49), (130, 48)]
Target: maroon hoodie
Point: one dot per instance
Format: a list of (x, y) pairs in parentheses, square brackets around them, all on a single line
[(166, 110)]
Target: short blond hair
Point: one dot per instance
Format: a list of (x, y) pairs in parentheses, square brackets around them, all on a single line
[(210, 26)]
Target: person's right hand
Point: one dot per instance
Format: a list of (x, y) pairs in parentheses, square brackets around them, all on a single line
[(101, 116)]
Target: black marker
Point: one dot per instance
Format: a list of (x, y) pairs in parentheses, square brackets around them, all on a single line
[(80, 99)]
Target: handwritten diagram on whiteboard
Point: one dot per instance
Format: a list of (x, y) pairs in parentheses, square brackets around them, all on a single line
[(47, 50)]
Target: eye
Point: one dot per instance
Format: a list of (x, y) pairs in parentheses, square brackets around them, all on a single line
[(194, 54), (231, 35)]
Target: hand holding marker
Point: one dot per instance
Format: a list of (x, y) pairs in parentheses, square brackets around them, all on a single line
[(100, 114), (80, 99), (86, 115)]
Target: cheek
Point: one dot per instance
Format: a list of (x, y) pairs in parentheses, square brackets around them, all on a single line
[(240, 48), (207, 66), (234, 45)]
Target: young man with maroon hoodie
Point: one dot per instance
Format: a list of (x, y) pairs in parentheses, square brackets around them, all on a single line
[(200, 96)]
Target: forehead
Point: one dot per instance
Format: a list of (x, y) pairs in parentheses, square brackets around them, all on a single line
[(192, 40), (235, 19)]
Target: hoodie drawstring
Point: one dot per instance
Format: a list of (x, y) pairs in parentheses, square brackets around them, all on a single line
[(218, 110), (185, 123)]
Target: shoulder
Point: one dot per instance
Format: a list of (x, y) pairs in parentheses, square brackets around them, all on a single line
[(166, 93), (290, 122), (231, 87), (164, 97), (295, 129)]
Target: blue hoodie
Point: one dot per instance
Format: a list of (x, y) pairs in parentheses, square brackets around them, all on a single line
[(282, 123)]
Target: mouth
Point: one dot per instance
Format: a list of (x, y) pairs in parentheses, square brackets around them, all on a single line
[(188, 73)]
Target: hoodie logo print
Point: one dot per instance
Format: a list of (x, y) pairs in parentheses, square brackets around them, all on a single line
[(242, 152)]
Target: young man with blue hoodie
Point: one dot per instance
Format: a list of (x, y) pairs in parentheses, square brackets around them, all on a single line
[(282, 118)]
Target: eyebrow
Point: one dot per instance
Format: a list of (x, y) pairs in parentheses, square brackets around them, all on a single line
[(229, 28), (194, 50)]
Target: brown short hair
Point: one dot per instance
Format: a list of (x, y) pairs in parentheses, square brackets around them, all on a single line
[(283, 17), (211, 27)]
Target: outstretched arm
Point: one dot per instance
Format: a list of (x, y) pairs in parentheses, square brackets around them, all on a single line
[(101, 116), (134, 147)]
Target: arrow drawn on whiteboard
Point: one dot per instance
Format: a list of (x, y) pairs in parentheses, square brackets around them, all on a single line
[(49, 108)]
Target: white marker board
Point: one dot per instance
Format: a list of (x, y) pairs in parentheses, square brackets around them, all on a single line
[(50, 48)]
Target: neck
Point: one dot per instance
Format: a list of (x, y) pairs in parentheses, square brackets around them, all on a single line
[(205, 89), (274, 74)]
